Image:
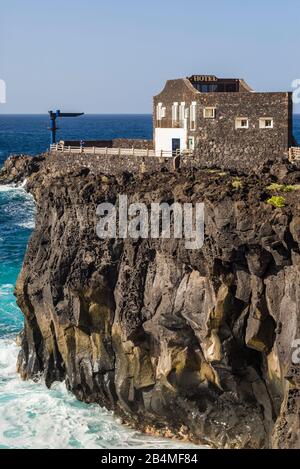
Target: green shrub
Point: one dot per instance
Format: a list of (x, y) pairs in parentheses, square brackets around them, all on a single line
[(283, 188), (275, 187), (237, 184), (105, 179), (290, 188), (276, 201)]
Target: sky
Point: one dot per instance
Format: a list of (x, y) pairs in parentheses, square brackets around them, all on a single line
[(112, 56)]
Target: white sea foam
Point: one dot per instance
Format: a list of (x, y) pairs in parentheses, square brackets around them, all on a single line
[(19, 204), (6, 289), (32, 416), (15, 187), (8, 187), (24, 183), (27, 224)]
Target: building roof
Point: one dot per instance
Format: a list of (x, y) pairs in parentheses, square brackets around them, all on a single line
[(214, 84)]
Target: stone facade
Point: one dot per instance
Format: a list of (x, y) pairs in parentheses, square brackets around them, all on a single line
[(217, 141), (133, 143), (107, 164)]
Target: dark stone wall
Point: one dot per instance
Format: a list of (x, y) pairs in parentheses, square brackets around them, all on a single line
[(133, 143), (218, 143), (110, 164)]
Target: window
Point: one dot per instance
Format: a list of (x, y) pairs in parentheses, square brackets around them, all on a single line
[(266, 123), (209, 112), (213, 88), (191, 143), (175, 114), (232, 87), (242, 123), (182, 112), (193, 116), (160, 112)]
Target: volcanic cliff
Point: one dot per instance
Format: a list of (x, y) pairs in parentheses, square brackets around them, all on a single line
[(193, 343)]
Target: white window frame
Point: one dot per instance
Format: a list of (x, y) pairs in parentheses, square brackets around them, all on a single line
[(175, 113), (182, 112), (262, 122), (193, 116), (238, 123), (158, 111), (209, 108)]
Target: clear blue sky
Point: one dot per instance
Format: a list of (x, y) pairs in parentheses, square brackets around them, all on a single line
[(112, 56)]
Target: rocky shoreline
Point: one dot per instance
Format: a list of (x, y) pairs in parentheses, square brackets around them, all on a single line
[(196, 344)]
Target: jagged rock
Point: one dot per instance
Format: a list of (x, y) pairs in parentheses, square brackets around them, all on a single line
[(18, 167), (170, 338), (295, 229)]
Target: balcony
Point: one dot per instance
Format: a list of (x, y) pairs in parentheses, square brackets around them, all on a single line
[(166, 123)]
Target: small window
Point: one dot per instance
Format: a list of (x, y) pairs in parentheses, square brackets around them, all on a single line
[(242, 123), (181, 112), (209, 112), (193, 116), (266, 123), (158, 111), (175, 113), (191, 143)]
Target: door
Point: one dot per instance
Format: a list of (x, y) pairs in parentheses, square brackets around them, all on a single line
[(175, 145)]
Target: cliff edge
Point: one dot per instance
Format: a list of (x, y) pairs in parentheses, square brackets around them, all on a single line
[(200, 344)]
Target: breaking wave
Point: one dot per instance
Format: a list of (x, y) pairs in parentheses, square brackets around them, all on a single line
[(31, 416)]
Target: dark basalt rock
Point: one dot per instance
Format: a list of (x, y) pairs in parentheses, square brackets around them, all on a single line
[(18, 167), (194, 343)]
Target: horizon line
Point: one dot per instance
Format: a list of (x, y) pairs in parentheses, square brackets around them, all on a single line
[(93, 114), (84, 114)]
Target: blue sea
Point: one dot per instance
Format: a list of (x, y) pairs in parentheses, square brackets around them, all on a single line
[(32, 416)]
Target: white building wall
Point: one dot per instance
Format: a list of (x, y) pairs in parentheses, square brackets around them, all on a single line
[(163, 138)]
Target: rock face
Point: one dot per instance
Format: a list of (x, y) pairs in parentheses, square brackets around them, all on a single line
[(19, 167), (199, 343)]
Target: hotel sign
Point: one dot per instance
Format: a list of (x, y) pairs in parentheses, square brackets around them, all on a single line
[(203, 78)]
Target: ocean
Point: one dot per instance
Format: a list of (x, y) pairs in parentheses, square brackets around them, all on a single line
[(31, 416)]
